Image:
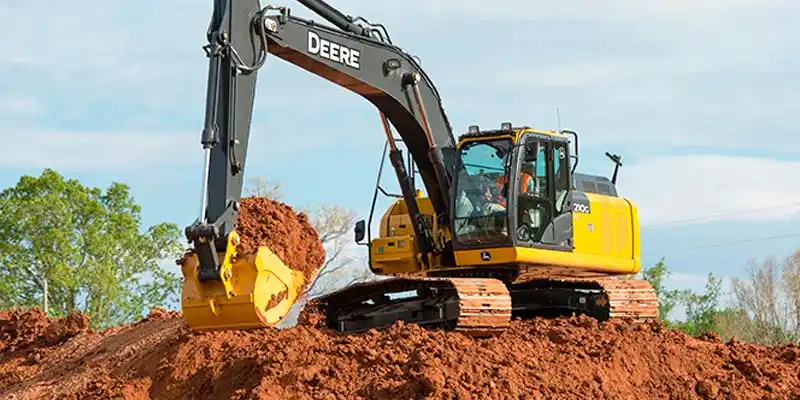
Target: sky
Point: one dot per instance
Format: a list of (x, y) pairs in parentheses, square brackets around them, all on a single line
[(697, 97)]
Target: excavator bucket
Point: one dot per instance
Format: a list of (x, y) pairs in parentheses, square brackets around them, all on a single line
[(253, 292)]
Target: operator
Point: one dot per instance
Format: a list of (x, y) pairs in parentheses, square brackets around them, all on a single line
[(526, 184), (494, 202)]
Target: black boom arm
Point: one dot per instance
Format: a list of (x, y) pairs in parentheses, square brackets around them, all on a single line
[(380, 72), (361, 59)]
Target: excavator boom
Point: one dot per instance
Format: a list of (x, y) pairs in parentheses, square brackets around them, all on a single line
[(383, 74), (240, 36)]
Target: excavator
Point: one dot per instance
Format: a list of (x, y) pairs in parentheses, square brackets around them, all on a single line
[(505, 228)]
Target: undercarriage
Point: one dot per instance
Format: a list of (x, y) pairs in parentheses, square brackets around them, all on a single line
[(483, 306)]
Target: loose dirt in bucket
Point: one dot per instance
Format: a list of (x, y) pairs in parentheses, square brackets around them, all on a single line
[(263, 222), (567, 358), (275, 225)]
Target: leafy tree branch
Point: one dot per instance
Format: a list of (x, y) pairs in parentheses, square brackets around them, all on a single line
[(88, 245)]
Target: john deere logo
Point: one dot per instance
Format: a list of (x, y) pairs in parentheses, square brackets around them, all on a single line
[(486, 256)]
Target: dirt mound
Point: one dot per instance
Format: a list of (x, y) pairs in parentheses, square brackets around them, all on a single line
[(61, 330), (20, 329), (574, 358)]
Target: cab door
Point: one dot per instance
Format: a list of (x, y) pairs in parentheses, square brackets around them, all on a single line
[(534, 205), (558, 232), (543, 212)]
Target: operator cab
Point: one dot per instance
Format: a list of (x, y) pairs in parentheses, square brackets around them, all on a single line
[(512, 188)]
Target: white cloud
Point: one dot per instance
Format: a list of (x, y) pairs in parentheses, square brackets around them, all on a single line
[(169, 265), (478, 10), (603, 61), (93, 151), (679, 188), (20, 105)]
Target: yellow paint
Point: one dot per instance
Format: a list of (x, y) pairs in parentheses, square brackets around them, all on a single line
[(606, 240), (226, 268), (546, 258), (253, 282), (388, 255), (610, 231)]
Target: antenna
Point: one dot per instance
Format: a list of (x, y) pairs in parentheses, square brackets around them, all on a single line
[(558, 119), (617, 159)]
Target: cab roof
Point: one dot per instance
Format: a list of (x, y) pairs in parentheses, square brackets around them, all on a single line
[(506, 130)]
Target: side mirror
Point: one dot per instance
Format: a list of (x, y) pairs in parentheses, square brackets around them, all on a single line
[(360, 230)]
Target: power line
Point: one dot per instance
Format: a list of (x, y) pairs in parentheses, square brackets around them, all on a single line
[(724, 244), (714, 216)]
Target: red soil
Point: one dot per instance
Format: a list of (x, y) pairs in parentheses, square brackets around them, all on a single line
[(263, 222), (567, 358), (574, 358)]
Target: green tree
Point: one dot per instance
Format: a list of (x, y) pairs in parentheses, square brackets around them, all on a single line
[(734, 322), (87, 245), (667, 299), (701, 309)]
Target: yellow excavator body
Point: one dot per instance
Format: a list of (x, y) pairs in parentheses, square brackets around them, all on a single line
[(606, 243), (253, 291), (606, 240)]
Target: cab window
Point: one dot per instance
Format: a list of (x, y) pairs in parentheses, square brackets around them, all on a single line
[(561, 169), (480, 214), (533, 173)]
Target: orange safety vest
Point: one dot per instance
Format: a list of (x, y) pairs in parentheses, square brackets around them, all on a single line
[(525, 179)]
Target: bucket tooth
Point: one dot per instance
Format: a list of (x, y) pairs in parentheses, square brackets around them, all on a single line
[(253, 292)]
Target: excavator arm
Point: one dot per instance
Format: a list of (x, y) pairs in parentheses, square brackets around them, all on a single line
[(361, 58), (383, 74), (240, 37)]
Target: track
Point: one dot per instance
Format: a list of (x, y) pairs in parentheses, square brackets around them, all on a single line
[(482, 306), (473, 306), (634, 299), (601, 298)]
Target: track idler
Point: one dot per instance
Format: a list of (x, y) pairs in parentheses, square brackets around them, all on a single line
[(253, 291)]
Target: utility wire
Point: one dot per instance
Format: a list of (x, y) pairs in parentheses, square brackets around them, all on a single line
[(724, 244), (714, 216)]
